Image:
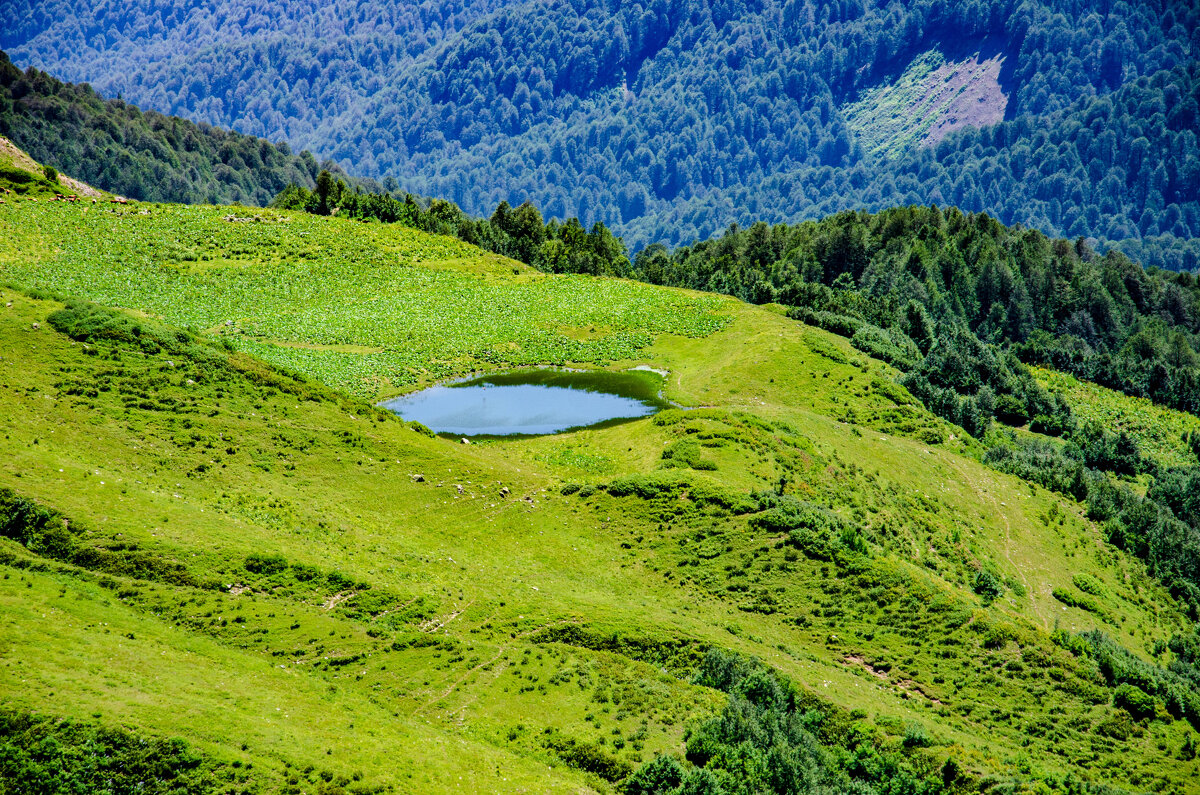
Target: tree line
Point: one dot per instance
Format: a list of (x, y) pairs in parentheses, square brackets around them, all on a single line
[(148, 156), (516, 232), (668, 119), (992, 297)]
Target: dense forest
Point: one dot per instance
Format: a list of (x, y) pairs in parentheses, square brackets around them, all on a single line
[(149, 156), (667, 120), (904, 278)]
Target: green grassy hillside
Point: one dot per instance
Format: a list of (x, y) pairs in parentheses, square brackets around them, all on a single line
[(320, 598), (367, 308), (1161, 432), (21, 177)]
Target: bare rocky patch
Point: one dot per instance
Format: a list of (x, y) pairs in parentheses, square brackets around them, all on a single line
[(933, 97)]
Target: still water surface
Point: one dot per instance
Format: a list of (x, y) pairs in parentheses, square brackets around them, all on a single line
[(532, 402)]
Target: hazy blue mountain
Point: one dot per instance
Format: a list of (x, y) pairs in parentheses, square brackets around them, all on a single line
[(667, 120)]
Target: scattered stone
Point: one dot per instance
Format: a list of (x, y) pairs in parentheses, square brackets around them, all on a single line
[(37, 326), (418, 478), (459, 487), (504, 492), (466, 440)]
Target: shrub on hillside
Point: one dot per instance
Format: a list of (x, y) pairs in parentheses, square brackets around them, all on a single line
[(1135, 701), (43, 755), (265, 564), (988, 586), (892, 346)]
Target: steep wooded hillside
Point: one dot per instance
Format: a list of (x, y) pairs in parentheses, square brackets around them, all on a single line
[(668, 120), (145, 156)]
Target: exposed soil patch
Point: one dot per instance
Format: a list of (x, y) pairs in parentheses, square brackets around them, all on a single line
[(907, 685), (434, 624), (934, 96), (967, 94), (854, 659), (337, 599)]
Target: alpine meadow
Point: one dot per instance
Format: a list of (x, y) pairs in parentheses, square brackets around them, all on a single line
[(811, 392)]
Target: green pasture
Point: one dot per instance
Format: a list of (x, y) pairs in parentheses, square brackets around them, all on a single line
[(314, 590)]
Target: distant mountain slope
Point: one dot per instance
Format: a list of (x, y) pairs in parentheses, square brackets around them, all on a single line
[(141, 155), (667, 120), (268, 68), (20, 174)]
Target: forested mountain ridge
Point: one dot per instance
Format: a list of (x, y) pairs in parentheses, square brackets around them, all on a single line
[(147, 156), (668, 120)]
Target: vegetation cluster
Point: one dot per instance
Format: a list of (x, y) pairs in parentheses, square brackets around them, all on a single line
[(961, 303), (143, 155), (668, 120)]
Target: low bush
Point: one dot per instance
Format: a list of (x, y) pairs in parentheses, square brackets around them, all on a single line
[(1076, 600), (41, 754), (815, 531), (49, 534), (265, 564), (893, 347), (988, 586), (842, 325), (647, 486), (1089, 584), (586, 756), (89, 322), (1137, 702), (677, 654)]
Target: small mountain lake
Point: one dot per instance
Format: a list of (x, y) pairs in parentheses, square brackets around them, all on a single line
[(533, 402)]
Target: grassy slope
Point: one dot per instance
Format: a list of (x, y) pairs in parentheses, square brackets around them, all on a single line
[(21, 176), (367, 308), (243, 468), (1160, 431)]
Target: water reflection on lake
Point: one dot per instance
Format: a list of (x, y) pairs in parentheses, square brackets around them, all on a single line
[(532, 402)]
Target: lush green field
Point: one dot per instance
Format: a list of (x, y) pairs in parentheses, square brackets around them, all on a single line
[(1161, 432), (366, 308), (251, 565)]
